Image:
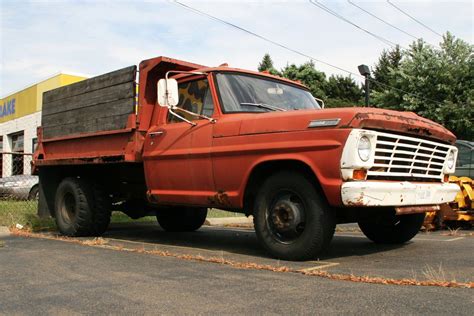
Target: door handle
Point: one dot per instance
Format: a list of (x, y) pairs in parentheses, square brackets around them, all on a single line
[(157, 133)]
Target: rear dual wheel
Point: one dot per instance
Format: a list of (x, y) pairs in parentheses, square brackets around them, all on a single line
[(292, 221), (81, 208)]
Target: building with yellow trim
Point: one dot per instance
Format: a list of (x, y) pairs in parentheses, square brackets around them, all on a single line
[(20, 115)]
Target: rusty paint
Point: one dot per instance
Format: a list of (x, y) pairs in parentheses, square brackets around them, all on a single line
[(358, 202), (220, 198), (152, 198), (407, 122), (421, 131), (403, 210), (80, 161), (362, 116)]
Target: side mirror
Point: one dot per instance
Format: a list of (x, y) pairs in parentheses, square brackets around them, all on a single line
[(320, 102), (168, 95)]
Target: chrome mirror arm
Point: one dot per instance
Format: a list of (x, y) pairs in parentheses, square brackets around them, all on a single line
[(180, 117), (210, 119)]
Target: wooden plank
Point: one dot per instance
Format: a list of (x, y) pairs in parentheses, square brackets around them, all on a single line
[(96, 97), (81, 115), (109, 79), (89, 126)]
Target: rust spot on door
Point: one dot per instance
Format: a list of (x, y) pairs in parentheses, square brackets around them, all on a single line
[(220, 198)]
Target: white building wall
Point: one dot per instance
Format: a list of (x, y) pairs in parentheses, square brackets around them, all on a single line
[(26, 124)]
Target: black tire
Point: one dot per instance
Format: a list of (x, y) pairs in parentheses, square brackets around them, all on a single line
[(292, 221), (392, 229), (184, 219), (34, 193), (81, 208)]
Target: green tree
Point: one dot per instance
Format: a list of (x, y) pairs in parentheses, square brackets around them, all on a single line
[(342, 91), (388, 62), (267, 65), (435, 83), (308, 75)]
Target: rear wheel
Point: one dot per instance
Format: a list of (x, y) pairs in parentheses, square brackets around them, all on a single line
[(81, 208), (391, 228), (292, 221), (184, 219)]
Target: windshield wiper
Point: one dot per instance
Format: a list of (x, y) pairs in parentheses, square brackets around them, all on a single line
[(264, 106)]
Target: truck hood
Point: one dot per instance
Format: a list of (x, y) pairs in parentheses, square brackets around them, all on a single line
[(367, 118)]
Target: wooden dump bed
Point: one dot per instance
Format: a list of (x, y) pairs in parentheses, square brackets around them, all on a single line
[(90, 121), (98, 104)]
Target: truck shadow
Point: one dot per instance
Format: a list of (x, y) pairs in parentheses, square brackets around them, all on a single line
[(237, 241)]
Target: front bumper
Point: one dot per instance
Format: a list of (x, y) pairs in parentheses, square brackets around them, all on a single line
[(377, 193)]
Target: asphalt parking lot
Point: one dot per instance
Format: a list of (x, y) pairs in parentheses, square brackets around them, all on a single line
[(351, 252), (51, 276)]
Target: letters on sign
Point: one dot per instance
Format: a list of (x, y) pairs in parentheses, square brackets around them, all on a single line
[(8, 108)]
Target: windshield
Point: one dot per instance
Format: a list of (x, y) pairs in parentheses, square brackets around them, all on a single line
[(246, 93)]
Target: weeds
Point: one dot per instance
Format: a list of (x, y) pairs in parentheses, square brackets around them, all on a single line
[(436, 274), (456, 232), (453, 232)]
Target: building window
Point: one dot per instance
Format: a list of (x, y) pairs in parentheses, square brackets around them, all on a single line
[(17, 159), (35, 144)]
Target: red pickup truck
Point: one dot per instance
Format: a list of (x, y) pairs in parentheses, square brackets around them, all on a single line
[(192, 137)]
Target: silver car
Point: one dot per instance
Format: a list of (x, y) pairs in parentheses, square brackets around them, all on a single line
[(21, 187)]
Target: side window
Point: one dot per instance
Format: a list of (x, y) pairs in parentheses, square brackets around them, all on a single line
[(194, 96)]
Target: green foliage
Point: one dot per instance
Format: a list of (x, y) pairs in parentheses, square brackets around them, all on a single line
[(308, 75), (435, 83), (387, 63), (336, 91), (267, 65), (340, 90)]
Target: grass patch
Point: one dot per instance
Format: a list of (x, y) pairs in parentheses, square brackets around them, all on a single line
[(119, 217), (214, 213), (24, 213)]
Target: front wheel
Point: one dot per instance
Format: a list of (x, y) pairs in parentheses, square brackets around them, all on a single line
[(184, 219), (292, 221), (392, 229)]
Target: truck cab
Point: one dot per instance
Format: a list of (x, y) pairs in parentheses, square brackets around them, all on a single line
[(254, 143)]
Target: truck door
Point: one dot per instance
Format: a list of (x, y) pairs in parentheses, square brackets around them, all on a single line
[(178, 166)]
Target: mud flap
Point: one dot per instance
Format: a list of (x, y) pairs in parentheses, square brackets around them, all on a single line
[(48, 183)]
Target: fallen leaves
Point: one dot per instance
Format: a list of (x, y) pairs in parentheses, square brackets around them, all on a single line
[(100, 242)]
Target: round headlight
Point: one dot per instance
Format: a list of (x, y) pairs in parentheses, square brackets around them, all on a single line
[(364, 148), (450, 160)]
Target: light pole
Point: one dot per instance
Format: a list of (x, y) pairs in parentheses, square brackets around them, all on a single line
[(365, 71)]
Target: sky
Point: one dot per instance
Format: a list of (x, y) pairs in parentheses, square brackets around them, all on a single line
[(41, 38)]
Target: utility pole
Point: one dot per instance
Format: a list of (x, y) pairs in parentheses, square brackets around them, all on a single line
[(365, 71)]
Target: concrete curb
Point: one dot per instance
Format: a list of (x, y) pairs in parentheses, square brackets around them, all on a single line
[(229, 221), (4, 231)]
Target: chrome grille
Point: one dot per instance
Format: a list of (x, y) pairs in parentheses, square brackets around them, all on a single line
[(407, 158)]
